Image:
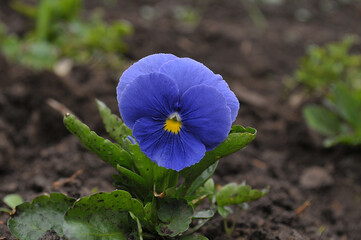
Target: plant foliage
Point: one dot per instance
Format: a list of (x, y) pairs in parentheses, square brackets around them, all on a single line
[(334, 74), (151, 203), (60, 32)]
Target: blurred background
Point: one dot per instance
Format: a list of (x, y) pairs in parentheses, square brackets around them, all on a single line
[(295, 67)]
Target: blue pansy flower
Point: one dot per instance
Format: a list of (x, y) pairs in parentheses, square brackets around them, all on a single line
[(177, 108)]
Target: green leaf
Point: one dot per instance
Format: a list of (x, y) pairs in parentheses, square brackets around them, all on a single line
[(23, 8), (156, 177), (202, 218), (352, 139), (142, 163), (43, 14), (113, 124), (51, 13), (103, 216), (131, 181), (139, 225), (32, 220), (38, 54), (109, 152), (322, 120), (236, 194), (203, 214), (164, 178), (202, 178), (347, 104), (132, 176), (209, 185), (224, 211), (148, 211), (193, 237), (5, 210), (237, 139), (13, 200), (10, 47), (241, 129), (198, 196), (175, 216), (208, 190)]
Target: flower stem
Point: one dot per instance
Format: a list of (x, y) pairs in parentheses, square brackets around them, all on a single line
[(173, 179), (229, 230)]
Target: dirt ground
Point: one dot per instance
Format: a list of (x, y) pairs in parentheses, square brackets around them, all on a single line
[(315, 193)]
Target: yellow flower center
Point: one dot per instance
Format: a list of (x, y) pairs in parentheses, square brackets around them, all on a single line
[(173, 124)]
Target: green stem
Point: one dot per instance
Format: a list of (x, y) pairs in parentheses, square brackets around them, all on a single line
[(173, 179), (255, 14), (23, 8), (197, 227), (149, 236), (183, 188), (153, 214), (6, 210), (229, 230), (43, 20)]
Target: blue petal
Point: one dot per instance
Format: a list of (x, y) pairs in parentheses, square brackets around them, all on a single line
[(172, 151), (152, 95), (231, 99), (187, 72), (146, 65), (131, 139), (205, 115)]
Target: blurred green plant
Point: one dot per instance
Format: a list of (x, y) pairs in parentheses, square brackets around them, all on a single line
[(189, 16), (60, 32), (11, 200), (333, 74), (255, 13)]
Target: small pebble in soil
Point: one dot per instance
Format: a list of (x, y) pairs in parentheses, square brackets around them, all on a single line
[(291, 235), (315, 177), (39, 183)]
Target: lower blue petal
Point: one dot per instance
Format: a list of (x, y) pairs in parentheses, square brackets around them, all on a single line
[(152, 95), (172, 151), (205, 115)]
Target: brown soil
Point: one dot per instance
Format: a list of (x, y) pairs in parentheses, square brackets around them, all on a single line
[(314, 192)]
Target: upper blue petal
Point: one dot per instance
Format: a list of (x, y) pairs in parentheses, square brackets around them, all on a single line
[(172, 151), (230, 97), (152, 95), (205, 115), (187, 72), (146, 65)]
